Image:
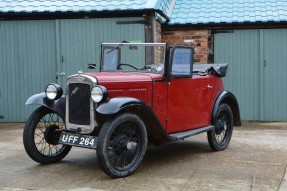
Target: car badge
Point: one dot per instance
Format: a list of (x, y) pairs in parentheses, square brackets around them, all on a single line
[(74, 91)]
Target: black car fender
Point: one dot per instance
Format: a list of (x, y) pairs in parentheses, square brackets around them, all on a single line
[(58, 106), (115, 106), (228, 98)]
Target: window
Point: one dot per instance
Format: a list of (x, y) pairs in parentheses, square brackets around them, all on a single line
[(111, 58), (182, 58)]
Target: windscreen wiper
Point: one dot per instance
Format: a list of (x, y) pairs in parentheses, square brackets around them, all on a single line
[(114, 48), (124, 41)]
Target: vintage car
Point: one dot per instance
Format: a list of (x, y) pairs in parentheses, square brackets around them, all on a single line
[(145, 93)]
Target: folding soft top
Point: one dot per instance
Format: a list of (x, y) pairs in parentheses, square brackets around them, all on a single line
[(219, 70)]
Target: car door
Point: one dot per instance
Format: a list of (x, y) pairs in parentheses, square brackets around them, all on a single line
[(189, 97)]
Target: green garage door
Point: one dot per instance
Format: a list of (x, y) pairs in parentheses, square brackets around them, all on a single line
[(27, 63), (257, 71), (35, 53), (81, 40)]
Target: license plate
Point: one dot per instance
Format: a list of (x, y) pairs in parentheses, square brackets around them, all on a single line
[(78, 140)]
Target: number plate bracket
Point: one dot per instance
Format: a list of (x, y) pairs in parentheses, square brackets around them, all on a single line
[(85, 141)]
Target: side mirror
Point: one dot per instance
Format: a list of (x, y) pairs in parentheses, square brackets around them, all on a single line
[(92, 66)]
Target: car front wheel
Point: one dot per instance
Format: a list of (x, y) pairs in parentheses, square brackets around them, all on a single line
[(122, 145), (219, 138), (41, 135)]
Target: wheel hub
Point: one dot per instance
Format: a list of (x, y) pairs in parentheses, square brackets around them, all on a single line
[(51, 135), (219, 127), (121, 143)]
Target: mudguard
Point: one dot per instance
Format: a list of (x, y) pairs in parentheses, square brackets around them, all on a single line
[(155, 130), (59, 106), (228, 98), (114, 105)]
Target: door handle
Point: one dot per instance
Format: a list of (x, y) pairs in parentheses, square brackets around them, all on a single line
[(209, 86), (61, 74)]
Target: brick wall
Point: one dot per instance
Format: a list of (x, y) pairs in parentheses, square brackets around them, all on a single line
[(158, 32), (199, 39)]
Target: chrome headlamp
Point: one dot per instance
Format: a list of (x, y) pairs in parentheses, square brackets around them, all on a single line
[(99, 93), (53, 91)]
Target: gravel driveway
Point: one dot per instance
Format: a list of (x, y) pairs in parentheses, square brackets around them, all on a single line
[(255, 160)]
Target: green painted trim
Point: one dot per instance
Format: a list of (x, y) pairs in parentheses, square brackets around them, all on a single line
[(261, 74), (58, 50)]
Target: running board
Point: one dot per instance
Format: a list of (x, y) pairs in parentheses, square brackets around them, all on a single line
[(185, 134)]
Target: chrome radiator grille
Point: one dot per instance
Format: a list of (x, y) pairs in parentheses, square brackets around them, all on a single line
[(79, 103), (80, 109)]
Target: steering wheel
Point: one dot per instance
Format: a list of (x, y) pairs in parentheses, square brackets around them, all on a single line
[(123, 64)]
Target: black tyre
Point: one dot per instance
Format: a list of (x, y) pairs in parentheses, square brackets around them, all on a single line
[(40, 136), (122, 145), (219, 138)]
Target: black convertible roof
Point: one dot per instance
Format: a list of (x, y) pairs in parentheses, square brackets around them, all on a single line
[(219, 70)]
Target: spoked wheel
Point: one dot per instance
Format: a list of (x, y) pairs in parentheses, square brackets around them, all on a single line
[(41, 136), (221, 136), (122, 145)]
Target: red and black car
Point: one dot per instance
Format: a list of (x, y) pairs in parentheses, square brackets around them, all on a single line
[(145, 93)]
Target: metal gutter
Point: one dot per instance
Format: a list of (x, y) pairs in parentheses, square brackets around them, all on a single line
[(79, 14), (224, 25)]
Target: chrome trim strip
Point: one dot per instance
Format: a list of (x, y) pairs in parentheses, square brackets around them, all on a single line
[(91, 78), (135, 44)]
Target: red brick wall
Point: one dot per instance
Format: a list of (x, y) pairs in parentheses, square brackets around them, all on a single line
[(158, 32), (195, 38)]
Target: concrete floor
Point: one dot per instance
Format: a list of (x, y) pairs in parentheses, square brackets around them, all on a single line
[(255, 160)]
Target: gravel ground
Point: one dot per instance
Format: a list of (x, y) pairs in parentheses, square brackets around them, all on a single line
[(255, 160)]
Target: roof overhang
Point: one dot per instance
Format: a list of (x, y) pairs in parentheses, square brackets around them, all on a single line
[(242, 25), (80, 14)]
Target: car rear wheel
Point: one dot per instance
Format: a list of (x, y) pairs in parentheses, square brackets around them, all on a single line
[(41, 135), (219, 138), (122, 145)]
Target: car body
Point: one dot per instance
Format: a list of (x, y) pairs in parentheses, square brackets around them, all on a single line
[(144, 93)]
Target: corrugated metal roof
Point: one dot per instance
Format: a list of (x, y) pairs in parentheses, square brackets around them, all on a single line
[(179, 11), (228, 11), (27, 6), (167, 6)]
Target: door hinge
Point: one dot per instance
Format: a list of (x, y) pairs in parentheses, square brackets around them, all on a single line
[(222, 31), (131, 22)]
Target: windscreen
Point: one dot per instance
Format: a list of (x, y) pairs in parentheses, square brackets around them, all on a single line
[(146, 57)]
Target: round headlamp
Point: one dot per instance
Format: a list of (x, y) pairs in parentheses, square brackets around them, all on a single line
[(53, 91), (99, 93)]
